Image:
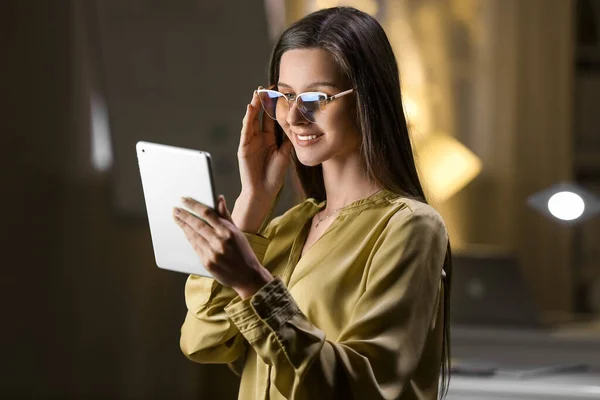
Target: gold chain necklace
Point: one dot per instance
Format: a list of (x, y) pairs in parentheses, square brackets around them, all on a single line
[(324, 218)]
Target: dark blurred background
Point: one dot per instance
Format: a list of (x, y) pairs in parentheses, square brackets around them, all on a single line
[(503, 97)]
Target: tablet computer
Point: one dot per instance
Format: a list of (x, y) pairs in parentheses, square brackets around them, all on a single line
[(169, 173)]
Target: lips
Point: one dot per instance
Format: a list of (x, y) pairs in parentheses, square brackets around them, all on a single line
[(306, 139), (307, 134)]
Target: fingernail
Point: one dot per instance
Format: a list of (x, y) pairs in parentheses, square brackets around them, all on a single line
[(185, 199), (176, 210)]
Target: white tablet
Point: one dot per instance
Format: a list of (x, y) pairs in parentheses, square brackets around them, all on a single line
[(168, 173)]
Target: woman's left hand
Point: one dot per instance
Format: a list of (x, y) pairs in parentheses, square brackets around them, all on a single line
[(224, 250)]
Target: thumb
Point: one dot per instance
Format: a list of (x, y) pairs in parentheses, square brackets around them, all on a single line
[(286, 147), (282, 159), (222, 208)]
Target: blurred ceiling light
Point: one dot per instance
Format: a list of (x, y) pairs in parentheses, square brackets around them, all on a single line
[(445, 165), (565, 202)]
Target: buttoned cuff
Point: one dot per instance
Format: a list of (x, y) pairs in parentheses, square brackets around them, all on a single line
[(259, 245), (265, 312)]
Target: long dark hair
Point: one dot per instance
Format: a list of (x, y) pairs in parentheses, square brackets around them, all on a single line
[(363, 52)]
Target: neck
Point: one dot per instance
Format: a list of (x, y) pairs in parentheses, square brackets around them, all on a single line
[(346, 182)]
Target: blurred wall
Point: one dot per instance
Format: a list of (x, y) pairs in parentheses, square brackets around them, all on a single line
[(497, 76), (518, 119), (511, 89), (86, 312), (180, 73)]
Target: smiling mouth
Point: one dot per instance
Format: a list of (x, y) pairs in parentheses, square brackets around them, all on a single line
[(307, 137), (307, 140)]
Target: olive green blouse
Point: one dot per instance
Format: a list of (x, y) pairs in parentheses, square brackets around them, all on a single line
[(358, 316)]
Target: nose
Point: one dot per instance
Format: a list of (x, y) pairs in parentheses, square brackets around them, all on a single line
[(295, 116)]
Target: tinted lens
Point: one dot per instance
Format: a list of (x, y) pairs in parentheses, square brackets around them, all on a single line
[(310, 103), (270, 100)]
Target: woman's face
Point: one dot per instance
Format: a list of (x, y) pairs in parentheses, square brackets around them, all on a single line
[(315, 70)]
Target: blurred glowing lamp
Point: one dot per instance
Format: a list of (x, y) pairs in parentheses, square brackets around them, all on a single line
[(566, 205), (566, 202), (445, 165)]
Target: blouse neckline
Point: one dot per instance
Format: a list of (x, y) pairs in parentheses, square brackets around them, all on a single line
[(381, 197)]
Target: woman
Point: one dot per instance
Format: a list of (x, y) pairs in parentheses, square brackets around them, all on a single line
[(342, 296)]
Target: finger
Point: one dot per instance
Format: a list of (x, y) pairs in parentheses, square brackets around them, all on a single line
[(198, 242), (282, 161), (199, 227), (256, 121), (223, 210), (246, 132), (286, 147), (256, 107), (249, 124), (206, 213), (268, 124), (255, 100)]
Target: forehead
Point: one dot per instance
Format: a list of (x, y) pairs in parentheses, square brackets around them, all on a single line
[(300, 68)]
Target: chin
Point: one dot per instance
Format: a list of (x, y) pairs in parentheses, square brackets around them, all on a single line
[(308, 160)]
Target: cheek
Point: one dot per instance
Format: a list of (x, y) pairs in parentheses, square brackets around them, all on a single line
[(285, 126), (279, 115), (343, 122)]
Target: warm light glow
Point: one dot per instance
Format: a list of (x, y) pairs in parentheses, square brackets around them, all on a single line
[(319, 4), (566, 205), (411, 109), (445, 165), (369, 6)]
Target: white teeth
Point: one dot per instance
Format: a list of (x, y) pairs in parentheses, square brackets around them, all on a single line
[(310, 137)]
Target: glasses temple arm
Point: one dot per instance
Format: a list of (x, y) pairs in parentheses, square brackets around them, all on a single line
[(341, 94)]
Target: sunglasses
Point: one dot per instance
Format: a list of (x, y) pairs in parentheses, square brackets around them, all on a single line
[(309, 103)]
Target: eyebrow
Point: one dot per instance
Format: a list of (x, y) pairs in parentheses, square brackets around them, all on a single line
[(312, 85)]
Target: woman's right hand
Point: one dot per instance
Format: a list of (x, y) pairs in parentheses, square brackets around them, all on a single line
[(263, 166)]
